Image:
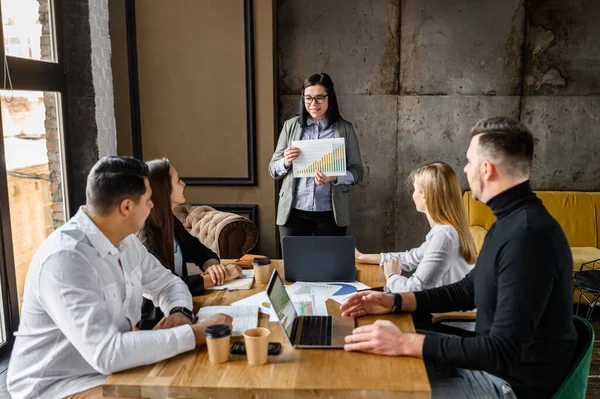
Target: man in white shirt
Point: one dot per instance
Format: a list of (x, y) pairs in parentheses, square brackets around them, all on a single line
[(83, 295)]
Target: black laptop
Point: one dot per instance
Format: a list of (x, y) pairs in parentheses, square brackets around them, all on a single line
[(306, 331), (318, 258)]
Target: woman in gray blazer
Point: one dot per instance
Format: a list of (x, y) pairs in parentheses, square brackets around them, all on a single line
[(318, 205)]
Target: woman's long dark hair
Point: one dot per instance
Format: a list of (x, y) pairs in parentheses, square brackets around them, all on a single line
[(333, 110), (158, 232)]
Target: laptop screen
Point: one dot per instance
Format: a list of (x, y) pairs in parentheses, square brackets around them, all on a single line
[(282, 304)]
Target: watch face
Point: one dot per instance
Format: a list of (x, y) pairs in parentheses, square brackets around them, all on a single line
[(183, 310)]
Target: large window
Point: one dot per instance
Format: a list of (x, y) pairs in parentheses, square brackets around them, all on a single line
[(28, 29), (33, 198), (33, 160)]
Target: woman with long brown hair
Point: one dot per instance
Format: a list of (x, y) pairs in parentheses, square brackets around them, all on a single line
[(166, 238), (448, 252)]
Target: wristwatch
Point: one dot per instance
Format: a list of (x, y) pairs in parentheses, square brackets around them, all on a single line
[(185, 311), (397, 307)]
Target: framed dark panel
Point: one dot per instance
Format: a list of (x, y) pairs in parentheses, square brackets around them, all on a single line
[(250, 209), (251, 179)]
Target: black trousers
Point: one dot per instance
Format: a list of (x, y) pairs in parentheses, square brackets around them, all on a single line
[(304, 223)]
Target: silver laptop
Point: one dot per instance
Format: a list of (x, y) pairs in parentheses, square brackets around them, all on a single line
[(306, 331), (318, 258)]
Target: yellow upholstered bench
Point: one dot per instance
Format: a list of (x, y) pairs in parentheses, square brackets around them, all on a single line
[(577, 212)]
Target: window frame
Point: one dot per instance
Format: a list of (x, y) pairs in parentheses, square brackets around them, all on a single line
[(31, 75)]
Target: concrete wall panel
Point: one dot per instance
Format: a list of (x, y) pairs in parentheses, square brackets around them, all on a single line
[(567, 139), (461, 47), (375, 122), (356, 43), (436, 128), (563, 55)]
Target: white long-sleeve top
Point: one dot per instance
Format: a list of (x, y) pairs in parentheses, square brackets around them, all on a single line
[(82, 297), (437, 262)]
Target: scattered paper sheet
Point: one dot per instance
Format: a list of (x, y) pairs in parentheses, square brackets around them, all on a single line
[(244, 317), (310, 299), (262, 301), (346, 290), (244, 282)]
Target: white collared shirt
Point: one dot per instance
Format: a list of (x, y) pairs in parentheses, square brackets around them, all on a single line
[(437, 262), (82, 296)]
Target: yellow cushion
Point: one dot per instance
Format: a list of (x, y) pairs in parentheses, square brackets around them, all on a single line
[(582, 255), (596, 199), (478, 234), (576, 214), (478, 213)]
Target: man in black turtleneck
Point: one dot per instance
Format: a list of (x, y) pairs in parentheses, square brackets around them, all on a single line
[(521, 287)]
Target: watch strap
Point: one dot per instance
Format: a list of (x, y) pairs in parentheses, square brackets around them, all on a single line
[(397, 307)]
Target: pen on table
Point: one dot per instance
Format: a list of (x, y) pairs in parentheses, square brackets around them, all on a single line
[(381, 289)]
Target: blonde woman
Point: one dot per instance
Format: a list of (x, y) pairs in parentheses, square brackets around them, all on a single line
[(448, 252)]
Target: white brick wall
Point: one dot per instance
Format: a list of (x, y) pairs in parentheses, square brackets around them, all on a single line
[(102, 78)]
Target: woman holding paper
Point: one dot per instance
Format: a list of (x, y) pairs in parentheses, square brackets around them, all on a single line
[(448, 252), (317, 205), (166, 238)]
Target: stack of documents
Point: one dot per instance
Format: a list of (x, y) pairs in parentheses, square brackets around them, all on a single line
[(244, 317)]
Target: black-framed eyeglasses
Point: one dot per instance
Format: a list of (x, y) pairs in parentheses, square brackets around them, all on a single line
[(320, 99)]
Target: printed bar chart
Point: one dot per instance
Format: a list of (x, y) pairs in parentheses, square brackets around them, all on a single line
[(326, 155)]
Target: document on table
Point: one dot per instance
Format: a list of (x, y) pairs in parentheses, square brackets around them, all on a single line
[(310, 299), (244, 282), (262, 301), (346, 290), (244, 317)]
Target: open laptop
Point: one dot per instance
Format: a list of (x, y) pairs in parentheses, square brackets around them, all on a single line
[(318, 258), (306, 331)]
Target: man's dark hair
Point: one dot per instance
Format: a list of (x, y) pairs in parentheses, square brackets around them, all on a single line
[(333, 110), (113, 179), (508, 141)]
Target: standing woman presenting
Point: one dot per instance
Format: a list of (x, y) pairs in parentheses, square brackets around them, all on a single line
[(318, 205)]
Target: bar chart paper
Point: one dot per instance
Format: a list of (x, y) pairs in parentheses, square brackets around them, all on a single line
[(325, 155)]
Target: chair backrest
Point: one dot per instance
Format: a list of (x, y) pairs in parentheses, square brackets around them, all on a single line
[(575, 383)]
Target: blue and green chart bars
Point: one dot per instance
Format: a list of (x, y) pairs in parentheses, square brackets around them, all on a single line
[(325, 155)]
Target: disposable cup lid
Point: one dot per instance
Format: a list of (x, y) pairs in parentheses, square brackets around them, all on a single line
[(217, 331), (261, 261)]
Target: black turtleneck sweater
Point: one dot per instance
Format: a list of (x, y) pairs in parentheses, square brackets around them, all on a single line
[(521, 286)]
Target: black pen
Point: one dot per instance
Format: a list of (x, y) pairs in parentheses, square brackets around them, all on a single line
[(380, 289)]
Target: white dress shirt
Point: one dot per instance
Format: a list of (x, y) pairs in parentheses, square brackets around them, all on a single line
[(82, 297), (437, 262)]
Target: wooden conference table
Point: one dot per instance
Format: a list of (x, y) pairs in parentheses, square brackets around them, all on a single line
[(298, 373)]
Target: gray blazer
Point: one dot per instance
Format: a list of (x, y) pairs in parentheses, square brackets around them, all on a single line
[(340, 194)]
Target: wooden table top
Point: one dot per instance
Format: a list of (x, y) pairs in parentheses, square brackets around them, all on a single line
[(298, 373)]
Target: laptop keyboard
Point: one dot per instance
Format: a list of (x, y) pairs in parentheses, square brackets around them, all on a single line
[(316, 330)]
